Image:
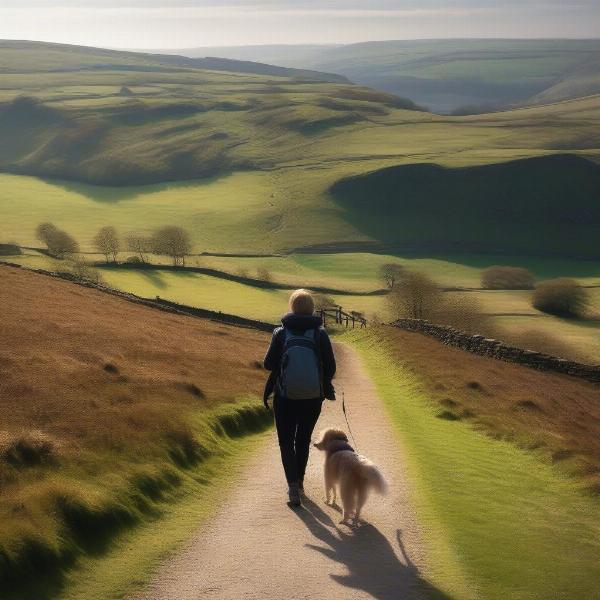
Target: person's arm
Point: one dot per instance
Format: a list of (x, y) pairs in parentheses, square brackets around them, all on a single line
[(273, 356), (327, 357)]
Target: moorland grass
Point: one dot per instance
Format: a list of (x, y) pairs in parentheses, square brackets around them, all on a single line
[(109, 408), (499, 521)]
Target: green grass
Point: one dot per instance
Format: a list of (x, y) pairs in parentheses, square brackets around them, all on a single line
[(134, 557), (112, 529), (499, 522), (260, 155)]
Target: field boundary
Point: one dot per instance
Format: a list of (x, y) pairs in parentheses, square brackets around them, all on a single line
[(157, 303), (479, 344), (243, 279)]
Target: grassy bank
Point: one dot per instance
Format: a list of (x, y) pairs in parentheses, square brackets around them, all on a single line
[(500, 522), (112, 411)]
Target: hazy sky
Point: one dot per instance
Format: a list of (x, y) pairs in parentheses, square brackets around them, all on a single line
[(188, 23)]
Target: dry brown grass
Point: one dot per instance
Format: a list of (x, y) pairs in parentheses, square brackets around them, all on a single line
[(555, 414), (96, 392)]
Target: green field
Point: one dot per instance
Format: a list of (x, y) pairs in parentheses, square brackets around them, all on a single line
[(266, 164), (357, 274), (500, 523)]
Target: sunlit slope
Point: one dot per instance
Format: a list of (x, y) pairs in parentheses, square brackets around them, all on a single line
[(127, 118)]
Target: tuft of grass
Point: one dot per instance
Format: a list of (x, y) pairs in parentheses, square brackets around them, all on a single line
[(28, 448)]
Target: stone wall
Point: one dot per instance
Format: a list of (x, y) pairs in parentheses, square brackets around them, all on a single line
[(478, 344), (158, 303)]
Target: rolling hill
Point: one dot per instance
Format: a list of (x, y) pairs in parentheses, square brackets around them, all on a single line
[(249, 162), (538, 205), (450, 75)]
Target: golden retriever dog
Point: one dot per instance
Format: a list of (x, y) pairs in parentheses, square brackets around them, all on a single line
[(354, 474)]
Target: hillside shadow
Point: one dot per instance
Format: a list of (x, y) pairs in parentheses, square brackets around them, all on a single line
[(516, 207), (156, 279), (108, 194), (369, 557)]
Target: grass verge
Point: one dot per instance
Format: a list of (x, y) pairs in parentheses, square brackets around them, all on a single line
[(108, 544), (499, 523)]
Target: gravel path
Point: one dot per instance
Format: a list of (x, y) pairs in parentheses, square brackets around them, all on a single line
[(258, 548)]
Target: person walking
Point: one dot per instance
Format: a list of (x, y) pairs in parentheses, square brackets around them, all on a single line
[(302, 364)]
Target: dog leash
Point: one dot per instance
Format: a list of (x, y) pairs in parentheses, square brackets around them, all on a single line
[(346, 417)]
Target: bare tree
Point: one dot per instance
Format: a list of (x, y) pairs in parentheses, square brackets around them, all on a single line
[(391, 273), (84, 272), (323, 301), (416, 296), (172, 241), (107, 242), (139, 244), (58, 242)]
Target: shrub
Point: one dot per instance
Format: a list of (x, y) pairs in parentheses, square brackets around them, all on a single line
[(419, 297), (27, 449), (322, 302), (563, 297), (134, 260), (264, 275), (82, 271), (506, 278), (416, 296)]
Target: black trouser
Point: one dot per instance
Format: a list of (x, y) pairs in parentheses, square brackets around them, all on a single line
[(295, 421)]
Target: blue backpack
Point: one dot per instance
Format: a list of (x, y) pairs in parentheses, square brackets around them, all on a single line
[(300, 376)]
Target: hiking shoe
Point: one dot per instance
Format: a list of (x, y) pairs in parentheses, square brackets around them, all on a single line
[(294, 495)]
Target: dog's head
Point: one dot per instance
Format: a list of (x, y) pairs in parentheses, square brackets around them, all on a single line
[(330, 435)]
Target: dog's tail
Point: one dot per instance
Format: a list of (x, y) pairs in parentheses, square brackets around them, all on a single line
[(376, 479)]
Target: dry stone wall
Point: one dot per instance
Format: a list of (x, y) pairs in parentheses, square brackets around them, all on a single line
[(158, 303), (479, 344)]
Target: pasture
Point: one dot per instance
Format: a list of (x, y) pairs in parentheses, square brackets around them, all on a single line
[(357, 275)]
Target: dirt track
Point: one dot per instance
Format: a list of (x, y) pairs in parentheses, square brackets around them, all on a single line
[(259, 548)]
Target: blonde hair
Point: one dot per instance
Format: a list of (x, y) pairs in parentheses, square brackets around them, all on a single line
[(302, 302)]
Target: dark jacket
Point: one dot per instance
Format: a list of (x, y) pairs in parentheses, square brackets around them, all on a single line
[(276, 348)]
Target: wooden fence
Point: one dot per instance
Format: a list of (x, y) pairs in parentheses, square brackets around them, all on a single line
[(339, 317)]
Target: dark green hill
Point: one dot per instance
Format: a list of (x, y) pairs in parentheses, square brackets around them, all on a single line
[(537, 206)]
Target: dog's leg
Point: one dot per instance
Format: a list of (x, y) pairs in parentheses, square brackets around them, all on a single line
[(363, 492), (347, 494), (329, 488)]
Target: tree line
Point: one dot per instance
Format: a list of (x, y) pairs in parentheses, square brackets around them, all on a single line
[(169, 240), (415, 295)]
